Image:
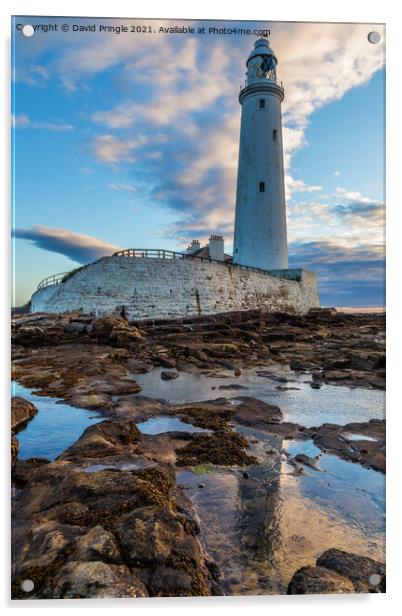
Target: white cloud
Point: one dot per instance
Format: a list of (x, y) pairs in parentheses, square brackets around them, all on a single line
[(23, 121), (110, 149), (355, 196), (298, 186), (316, 68)]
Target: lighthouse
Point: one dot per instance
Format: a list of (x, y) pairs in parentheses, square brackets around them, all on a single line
[(260, 238)]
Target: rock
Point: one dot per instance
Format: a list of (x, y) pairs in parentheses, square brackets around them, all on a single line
[(154, 535), (366, 360), (22, 411), (137, 408), (169, 376), (201, 355), (371, 453), (102, 327), (185, 366), (39, 548), (302, 366), (104, 439), (302, 458), (75, 328), (225, 448), (107, 494), (24, 469), (30, 331), (169, 582), (315, 385), (14, 451), (336, 375), (318, 580), (234, 386), (85, 580), (91, 401), (211, 415), (317, 376), (338, 363), (322, 312), (167, 362), (256, 413), (338, 572), (97, 544), (358, 569), (129, 337), (105, 384)]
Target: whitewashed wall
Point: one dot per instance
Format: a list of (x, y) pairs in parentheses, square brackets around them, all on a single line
[(153, 288)]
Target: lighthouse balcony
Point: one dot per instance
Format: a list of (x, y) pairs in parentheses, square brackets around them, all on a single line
[(261, 86), (262, 81)]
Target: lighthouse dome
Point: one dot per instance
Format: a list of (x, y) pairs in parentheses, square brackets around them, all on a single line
[(262, 48)]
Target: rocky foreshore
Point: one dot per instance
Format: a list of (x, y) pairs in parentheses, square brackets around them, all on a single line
[(106, 518), (338, 348)]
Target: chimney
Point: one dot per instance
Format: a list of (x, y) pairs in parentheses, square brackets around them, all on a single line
[(194, 246), (216, 248)]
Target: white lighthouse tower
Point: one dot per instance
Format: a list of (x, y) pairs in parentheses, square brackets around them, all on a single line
[(260, 228)]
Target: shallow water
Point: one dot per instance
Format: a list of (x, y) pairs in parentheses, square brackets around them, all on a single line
[(159, 425), (276, 522), (358, 437), (121, 466), (55, 427), (305, 405)]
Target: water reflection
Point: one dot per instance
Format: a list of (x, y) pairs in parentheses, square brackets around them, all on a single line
[(55, 427), (276, 521), (159, 425), (300, 403)]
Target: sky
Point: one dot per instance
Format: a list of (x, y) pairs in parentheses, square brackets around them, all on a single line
[(130, 140)]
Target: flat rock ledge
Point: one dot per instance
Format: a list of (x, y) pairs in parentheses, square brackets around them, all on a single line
[(336, 348)]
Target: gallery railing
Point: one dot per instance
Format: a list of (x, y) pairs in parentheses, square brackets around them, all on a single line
[(155, 253), (245, 84), (54, 279), (150, 253)]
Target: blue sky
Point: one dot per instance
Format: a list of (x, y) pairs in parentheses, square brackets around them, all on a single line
[(132, 141)]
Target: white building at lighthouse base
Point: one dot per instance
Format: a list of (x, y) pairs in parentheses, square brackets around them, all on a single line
[(174, 285)]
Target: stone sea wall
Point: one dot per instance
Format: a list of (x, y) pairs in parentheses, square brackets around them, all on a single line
[(142, 288)]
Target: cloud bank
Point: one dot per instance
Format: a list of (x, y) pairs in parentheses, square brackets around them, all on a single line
[(347, 275), (76, 246)]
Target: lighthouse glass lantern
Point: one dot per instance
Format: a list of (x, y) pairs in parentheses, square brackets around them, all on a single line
[(261, 63)]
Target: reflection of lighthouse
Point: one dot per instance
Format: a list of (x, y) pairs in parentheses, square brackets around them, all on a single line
[(260, 228)]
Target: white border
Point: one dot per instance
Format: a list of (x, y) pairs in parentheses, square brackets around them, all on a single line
[(293, 10)]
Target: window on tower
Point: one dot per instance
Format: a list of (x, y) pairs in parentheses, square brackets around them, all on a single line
[(262, 186), (274, 134), (262, 103)]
